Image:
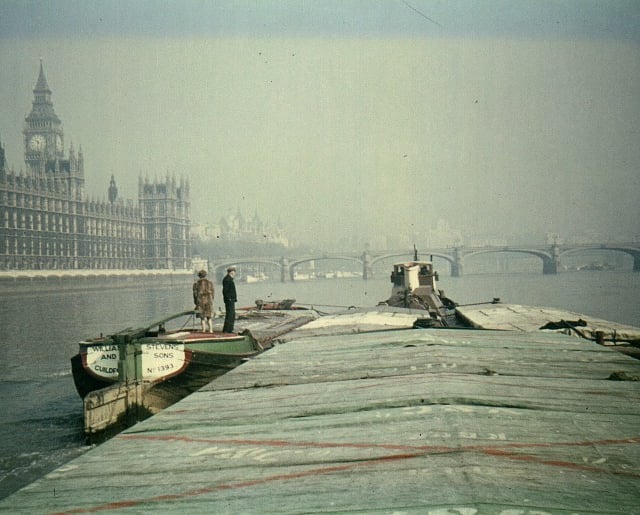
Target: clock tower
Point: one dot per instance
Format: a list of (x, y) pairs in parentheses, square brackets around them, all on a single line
[(43, 135)]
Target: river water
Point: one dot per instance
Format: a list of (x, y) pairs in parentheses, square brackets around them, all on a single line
[(41, 323)]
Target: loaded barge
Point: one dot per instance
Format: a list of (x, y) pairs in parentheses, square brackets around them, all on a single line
[(130, 375), (365, 410), (411, 421)]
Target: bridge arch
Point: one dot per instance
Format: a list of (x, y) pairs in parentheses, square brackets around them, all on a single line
[(423, 256), (631, 251), (219, 269), (550, 260), (298, 262)]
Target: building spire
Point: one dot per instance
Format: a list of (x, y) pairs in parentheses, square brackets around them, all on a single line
[(42, 110), (41, 84), (113, 190), (43, 134)]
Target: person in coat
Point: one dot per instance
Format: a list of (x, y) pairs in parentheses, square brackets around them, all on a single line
[(203, 299), (230, 298)]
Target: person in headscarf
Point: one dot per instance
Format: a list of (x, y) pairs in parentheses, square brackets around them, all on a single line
[(203, 299)]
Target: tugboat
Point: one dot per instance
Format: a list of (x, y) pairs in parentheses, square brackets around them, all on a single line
[(415, 287)]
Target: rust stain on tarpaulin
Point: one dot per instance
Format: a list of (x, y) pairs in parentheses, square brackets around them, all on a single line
[(242, 484), (420, 451), (392, 446), (285, 443)]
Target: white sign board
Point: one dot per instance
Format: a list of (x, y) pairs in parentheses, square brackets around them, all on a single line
[(160, 360), (102, 361)]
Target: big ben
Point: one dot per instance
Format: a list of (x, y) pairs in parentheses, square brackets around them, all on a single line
[(43, 134), (47, 222)]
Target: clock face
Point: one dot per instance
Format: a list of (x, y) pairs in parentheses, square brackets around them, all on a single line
[(37, 142), (58, 143)]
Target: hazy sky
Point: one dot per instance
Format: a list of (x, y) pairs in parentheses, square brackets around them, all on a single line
[(347, 118)]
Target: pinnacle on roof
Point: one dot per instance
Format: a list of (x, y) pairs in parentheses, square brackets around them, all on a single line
[(42, 85), (42, 104)]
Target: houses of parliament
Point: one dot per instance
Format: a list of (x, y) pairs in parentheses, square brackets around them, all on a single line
[(47, 221)]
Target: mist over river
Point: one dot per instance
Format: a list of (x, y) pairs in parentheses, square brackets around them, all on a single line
[(41, 423)]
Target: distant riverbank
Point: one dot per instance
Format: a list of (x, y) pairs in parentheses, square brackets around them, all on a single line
[(47, 280)]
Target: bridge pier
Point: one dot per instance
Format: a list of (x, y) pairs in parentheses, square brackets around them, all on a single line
[(636, 262), (552, 264), (284, 268), (367, 268), (456, 264)]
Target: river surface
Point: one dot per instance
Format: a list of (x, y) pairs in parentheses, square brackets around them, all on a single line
[(41, 323)]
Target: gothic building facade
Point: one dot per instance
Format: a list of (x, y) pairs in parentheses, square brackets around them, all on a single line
[(47, 221)]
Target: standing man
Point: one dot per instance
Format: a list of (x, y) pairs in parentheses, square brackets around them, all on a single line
[(230, 298), (203, 299)]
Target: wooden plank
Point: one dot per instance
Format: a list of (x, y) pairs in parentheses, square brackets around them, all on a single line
[(510, 317), (114, 407), (375, 422)]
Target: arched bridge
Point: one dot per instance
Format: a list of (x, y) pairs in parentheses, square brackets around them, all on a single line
[(550, 256)]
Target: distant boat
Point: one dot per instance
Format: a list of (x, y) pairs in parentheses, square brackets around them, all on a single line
[(260, 276), (595, 267)]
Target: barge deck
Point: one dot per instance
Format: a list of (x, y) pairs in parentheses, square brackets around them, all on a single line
[(428, 421)]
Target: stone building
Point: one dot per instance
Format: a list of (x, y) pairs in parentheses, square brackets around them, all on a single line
[(47, 221), (250, 230)]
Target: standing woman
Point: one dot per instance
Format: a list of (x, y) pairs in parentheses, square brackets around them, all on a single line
[(203, 299), (230, 298)]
